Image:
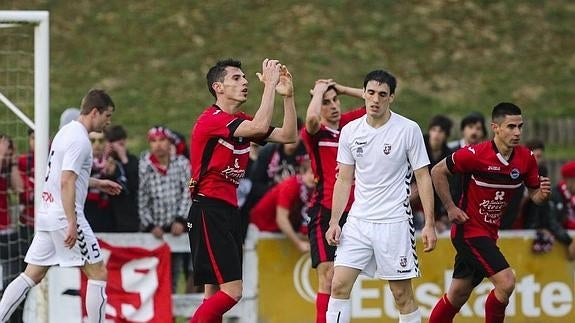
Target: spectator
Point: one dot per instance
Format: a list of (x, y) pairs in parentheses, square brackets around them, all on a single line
[(9, 178), (163, 194), (436, 146), (97, 207), (124, 169), (284, 207), (68, 115), (26, 198)]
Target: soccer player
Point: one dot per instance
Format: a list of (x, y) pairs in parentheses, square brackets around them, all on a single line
[(320, 137), (63, 236), (220, 144), (381, 151), (492, 171)]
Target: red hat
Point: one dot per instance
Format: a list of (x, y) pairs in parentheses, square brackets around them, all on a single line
[(158, 132), (568, 169)]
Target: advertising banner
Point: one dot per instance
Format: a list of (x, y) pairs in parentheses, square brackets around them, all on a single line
[(544, 292)]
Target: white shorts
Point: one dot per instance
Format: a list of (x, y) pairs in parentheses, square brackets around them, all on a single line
[(48, 249), (379, 250)]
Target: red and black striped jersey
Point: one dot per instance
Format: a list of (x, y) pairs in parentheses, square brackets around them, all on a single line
[(489, 181), (322, 150)]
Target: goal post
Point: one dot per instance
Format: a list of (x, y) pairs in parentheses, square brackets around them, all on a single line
[(18, 107), (41, 124)]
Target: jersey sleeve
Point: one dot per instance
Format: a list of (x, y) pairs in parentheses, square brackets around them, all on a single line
[(75, 155), (218, 124), (288, 193), (462, 160), (416, 152), (532, 178), (351, 115), (344, 154)]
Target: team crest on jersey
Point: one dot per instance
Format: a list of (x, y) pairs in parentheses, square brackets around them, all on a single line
[(386, 148), (514, 173), (403, 261)]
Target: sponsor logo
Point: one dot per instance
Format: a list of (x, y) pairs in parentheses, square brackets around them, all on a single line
[(515, 173), (493, 168), (386, 148)]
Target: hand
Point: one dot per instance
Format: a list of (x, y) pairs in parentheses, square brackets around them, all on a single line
[(321, 86), (332, 234), (110, 167), (158, 232), (109, 187), (177, 228), (71, 235), (571, 251), (429, 238), (270, 72), (285, 85), (121, 151), (456, 215), (545, 187), (303, 246)]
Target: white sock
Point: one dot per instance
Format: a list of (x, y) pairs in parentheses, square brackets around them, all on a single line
[(96, 301), (13, 295), (338, 311), (413, 317)]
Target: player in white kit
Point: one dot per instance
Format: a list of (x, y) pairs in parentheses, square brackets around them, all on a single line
[(381, 151), (63, 236)]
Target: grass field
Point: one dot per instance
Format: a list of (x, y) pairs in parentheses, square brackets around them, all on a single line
[(449, 56)]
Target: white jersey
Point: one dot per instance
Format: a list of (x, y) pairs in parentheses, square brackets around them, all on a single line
[(384, 160), (70, 150)]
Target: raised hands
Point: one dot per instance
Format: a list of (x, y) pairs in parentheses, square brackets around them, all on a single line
[(270, 72), (285, 85)]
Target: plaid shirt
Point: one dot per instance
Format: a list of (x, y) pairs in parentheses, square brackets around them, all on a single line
[(163, 199)]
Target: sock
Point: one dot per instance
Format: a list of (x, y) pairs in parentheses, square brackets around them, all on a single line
[(413, 317), (96, 301), (338, 311), (212, 309), (321, 301), (443, 312), (13, 295), (494, 309)]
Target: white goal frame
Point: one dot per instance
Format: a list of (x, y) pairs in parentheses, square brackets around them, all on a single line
[(41, 123)]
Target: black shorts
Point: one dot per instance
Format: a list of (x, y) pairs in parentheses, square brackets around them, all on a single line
[(215, 241), (477, 257), (318, 225)]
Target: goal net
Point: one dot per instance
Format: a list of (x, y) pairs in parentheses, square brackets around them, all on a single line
[(24, 130)]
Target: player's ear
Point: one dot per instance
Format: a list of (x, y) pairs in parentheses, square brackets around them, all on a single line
[(391, 98), (218, 87)]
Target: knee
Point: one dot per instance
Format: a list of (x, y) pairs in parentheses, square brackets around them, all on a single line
[(403, 297), (234, 290), (340, 288), (507, 286), (97, 273)]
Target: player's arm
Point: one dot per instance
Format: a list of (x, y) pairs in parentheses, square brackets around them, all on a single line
[(260, 124), (349, 91), (283, 222), (16, 178), (68, 191), (341, 191), (288, 132), (105, 185), (425, 189), (440, 178), (313, 114)]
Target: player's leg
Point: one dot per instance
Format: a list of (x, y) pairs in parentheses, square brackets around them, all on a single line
[(504, 282), (96, 291), (216, 243), (450, 303), (402, 292), (339, 307)]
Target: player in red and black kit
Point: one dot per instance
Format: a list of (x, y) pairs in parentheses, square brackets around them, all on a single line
[(320, 136), (491, 171), (220, 144)]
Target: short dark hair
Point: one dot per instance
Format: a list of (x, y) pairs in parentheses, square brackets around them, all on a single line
[(96, 99), (442, 122), (115, 133), (218, 72), (535, 143), (382, 77), (504, 109), (473, 118)]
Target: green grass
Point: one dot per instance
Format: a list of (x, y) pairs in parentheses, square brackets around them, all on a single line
[(449, 57)]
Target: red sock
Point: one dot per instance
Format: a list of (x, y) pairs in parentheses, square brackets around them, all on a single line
[(321, 302), (443, 312), (494, 309), (212, 309)]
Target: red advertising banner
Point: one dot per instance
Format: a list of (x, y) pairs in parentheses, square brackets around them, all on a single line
[(139, 284)]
